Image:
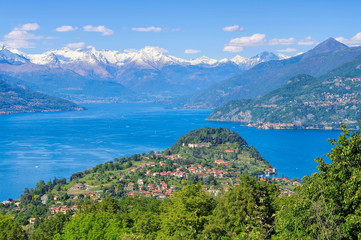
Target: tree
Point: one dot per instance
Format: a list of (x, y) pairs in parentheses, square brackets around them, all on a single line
[(246, 210), (109, 205), (185, 215), (50, 227), (9, 230), (93, 226), (328, 205)]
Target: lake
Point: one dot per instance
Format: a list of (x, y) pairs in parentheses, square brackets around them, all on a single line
[(36, 146)]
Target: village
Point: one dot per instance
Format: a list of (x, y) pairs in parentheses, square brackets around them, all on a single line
[(159, 176)]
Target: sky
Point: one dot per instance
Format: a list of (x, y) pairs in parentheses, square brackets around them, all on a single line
[(186, 29)]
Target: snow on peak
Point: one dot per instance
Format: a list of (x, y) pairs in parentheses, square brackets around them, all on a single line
[(203, 60), (149, 57), (239, 60), (12, 56), (152, 57), (282, 56)]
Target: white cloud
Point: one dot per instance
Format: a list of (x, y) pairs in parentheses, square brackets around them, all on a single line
[(254, 40), (234, 49), (75, 45), (147, 29), (234, 28), (66, 28), (237, 44), (282, 41), (155, 29), (287, 50), (191, 51), (258, 39), (307, 41), (20, 37), (29, 27), (354, 40), (102, 29)]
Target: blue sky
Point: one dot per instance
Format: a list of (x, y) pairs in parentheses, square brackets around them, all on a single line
[(187, 29)]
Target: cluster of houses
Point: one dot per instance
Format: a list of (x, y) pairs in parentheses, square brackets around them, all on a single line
[(185, 170), (281, 180), (270, 171), (11, 202), (269, 125), (63, 209), (161, 190)]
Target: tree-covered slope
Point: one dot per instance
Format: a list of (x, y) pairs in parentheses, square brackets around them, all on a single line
[(326, 206), (304, 102), (15, 99), (271, 75), (223, 144)]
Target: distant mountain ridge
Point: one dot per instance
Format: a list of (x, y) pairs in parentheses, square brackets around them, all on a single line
[(148, 72), (147, 57), (304, 102), (14, 99), (268, 76)]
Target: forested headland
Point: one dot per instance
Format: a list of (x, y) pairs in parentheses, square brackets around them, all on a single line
[(242, 206)]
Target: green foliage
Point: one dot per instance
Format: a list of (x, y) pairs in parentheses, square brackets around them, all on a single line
[(96, 226), (244, 158), (328, 205), (51, 227), (246, 210), (144, 214), (9, 230), (215, 136), (31, 211), (186, 214)]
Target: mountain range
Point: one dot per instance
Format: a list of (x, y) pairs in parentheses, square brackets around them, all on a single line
[(303, 102), (14, 99), (104, 75), (270, 75)]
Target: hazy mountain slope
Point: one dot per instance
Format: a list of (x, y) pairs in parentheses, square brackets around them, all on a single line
[(271, 75), (148, 72), (304, 102), (15, 99)]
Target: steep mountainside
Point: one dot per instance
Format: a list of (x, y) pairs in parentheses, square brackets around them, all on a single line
[(16, 100), (135, 75), (304, 102), (271, 75)]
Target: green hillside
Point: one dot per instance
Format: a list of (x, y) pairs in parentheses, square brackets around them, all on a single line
[(304, 102), (15, 99), (271, 75), (122, 200), (223, 144)]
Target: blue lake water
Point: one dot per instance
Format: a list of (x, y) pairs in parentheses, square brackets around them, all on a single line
[(63, 143)]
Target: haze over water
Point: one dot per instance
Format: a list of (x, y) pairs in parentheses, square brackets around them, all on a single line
[(63, 143)]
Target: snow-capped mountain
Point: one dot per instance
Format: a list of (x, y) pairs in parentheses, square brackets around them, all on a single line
[(147, 57), (149, 70), (11, 56)]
